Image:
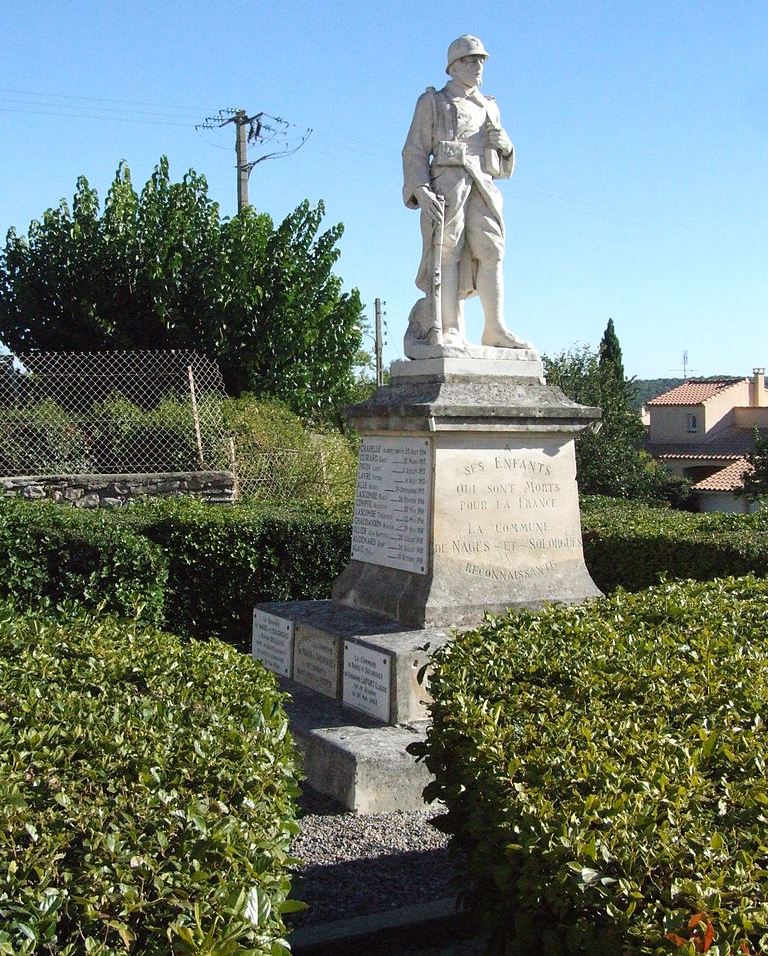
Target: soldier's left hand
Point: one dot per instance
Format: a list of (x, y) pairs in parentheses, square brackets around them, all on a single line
[(499, 140)]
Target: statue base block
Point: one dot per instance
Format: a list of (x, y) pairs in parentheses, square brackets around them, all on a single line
[(466, 499)]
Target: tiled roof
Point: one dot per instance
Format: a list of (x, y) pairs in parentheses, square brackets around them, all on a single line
[(656, 451), (727, 479), (694, 392)]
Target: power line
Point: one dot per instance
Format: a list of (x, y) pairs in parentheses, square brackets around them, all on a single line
[(258, 129), (92, 116), (84, 106), (101, 99)]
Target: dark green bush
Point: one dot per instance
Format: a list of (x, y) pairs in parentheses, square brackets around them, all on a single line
[(146, 793), (197, 569), (222, 561), (603, 768), (56, 554), (632, 545)]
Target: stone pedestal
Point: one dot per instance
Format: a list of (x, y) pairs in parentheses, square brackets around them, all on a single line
[(466, 502), (466, 498)]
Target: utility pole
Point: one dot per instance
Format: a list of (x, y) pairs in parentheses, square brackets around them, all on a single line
[(379, 345), (257, 129), (241, 152)]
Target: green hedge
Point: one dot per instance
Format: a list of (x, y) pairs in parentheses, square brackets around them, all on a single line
[(603, 766), (146, 793), (631, 545), (194, 568), (56, 554), (200, 569), (222, 561)]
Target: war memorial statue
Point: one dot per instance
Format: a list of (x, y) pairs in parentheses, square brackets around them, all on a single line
[(455, 149), (466, 499)]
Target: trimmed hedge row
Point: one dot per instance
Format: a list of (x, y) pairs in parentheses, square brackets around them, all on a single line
[(222, 561), (53, 554), (146, 793), (631, 545), (199, 569), (196, 569), (603, 767)]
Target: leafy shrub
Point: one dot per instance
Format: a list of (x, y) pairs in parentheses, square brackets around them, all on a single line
[(57, 554), (42, 438), (280, 459), (111, 436), (632, 545), (603, 768), (222, 561), (146, 793), (195, 568), (263, 424), (128, 439)]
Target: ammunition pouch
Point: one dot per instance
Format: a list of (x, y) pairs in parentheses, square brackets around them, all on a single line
[(450, 152)]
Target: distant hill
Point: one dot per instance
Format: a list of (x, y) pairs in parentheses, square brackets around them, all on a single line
[(648, 388)]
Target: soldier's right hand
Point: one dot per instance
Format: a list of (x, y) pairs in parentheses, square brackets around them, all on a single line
[(429, 203)]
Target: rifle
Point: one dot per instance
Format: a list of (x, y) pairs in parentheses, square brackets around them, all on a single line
[(436, 318)]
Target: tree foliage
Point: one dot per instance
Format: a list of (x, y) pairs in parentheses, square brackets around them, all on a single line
[(755, 481), (161, 269), (611, 359), (609, 460)]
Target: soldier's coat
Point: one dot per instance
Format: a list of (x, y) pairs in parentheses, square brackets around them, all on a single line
[(474, 227)]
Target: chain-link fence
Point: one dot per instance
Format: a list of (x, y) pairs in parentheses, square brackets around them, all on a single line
[(323, 473), (110, 413)]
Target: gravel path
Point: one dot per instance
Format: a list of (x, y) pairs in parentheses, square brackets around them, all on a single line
[(353, 864)]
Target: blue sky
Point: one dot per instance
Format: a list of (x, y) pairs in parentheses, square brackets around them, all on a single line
[(641, 132)]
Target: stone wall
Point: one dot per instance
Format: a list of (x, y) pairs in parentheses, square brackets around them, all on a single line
[(111, 491)]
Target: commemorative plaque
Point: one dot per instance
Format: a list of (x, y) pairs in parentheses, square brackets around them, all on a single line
[(272, 642), (392, 501), (506, 511), (367, 680), (316, 660)]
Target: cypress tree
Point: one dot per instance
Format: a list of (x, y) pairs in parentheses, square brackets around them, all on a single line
[(610, 352)]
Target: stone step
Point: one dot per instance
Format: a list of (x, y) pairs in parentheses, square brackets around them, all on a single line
[(353, 757), (359, 697)]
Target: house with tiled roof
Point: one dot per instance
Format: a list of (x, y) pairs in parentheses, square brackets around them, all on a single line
[(703, 429)]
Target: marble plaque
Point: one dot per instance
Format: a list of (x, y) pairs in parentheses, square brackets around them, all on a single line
[(316, 660), (391, 523), (367, 677), (506, 512), (272, 642)]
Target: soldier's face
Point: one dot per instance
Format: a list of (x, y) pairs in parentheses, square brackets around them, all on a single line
[(468, 70)]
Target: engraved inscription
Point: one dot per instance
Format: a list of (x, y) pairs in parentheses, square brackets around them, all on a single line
[(391, 522), (316, 661), (367, 676), (505, 513), (272, 642)]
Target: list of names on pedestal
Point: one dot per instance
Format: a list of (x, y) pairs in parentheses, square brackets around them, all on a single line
[(272, 642), (391, 523), (367, 677)]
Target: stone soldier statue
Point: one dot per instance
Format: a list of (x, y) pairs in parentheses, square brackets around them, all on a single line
[(455, 148)]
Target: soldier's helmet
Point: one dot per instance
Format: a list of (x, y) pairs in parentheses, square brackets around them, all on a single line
[(466, 45)]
